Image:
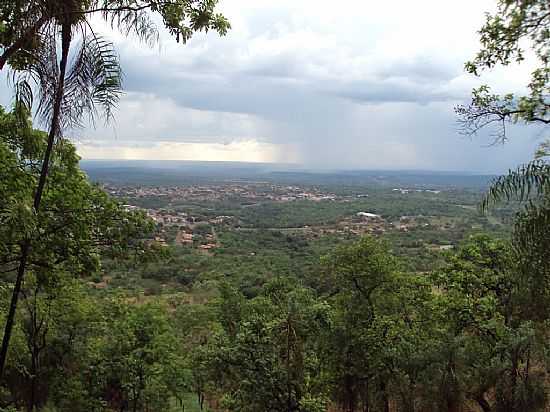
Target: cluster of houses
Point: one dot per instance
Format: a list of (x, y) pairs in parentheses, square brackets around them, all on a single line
[(186, 226), (250, 191), (367, 222), (186, 237)]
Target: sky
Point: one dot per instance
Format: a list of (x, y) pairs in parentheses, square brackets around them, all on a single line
[(327, 85)]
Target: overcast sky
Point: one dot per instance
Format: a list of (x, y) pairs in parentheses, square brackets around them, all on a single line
[(347, 84)]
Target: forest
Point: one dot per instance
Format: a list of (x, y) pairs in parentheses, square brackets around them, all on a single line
[(299, 293)]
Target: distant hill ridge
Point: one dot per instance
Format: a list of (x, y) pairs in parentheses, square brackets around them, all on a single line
[(150, 172)]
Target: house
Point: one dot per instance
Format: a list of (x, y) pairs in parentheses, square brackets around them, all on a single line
[(184, 237)]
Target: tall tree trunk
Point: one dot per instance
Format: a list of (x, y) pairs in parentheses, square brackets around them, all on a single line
[(349, 397), (408, 394), (385, 397), (34, 368), (366, 400), (26, 245), (201, 401), (288, 380)]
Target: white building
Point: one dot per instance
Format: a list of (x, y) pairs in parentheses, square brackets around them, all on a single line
[(368, 215)]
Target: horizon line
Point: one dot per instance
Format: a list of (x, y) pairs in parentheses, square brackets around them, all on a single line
[(303, 167)]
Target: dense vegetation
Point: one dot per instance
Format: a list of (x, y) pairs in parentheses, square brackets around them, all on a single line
[(262, 322), (290, 311)]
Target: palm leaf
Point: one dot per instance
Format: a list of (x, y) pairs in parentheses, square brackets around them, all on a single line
[(130, 17), (527, 182), (531, 229), (93, 82)]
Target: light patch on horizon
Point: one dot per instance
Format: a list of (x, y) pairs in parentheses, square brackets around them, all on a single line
[(237, 151)]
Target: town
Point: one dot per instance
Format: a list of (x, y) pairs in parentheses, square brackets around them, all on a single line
[(192, 215)]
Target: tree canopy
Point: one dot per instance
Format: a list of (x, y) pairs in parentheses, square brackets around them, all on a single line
[(503, 38)]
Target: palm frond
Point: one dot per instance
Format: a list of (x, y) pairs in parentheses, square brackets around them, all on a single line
[(531, 242), (128, 19), (543, 150), (528, 181), (43, 71), (23, 92), (93, 82), (531, 231)]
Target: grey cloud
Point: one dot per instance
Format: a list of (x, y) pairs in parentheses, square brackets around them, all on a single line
[(283, 68), (421, 69), (217, 77), (391, 91), (338, 98), (268, 89)]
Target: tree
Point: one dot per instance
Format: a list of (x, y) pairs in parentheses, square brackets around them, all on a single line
[(25, 22), (268, 358), (136, 357), (359, 274), (374, 346), (79, 222), (69, 92), (489, 345), (530, 184), (502, 38), (196, 325), (57, 322)]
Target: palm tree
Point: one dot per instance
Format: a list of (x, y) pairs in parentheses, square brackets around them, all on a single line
[(68, 91), (529, 184)]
